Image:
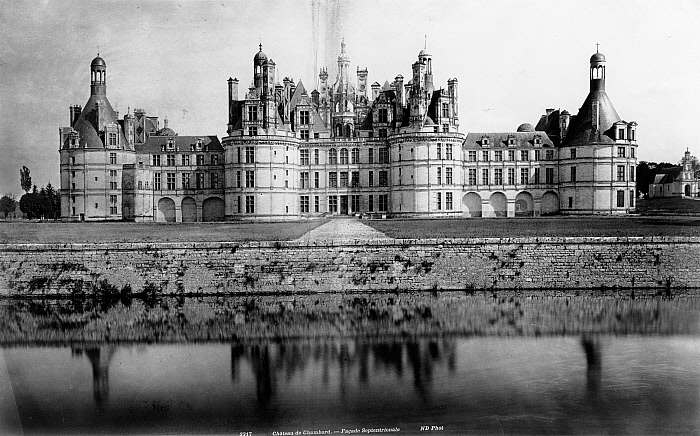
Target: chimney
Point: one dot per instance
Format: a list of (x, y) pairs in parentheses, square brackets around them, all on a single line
[(75, 112)]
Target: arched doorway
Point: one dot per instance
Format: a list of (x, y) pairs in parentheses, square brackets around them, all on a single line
[(549, 204), (189, 210), (166, 210), (524, 205), (472, 205), (499, 204), (687, 190), (213, 209)]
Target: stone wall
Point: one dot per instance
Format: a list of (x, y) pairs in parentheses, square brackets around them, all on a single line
[(476, 263)]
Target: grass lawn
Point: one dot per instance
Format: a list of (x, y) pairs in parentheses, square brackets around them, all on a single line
[(48, 232), (673, 205), (542, 226)]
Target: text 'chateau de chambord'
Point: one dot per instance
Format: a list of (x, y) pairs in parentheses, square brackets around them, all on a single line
[(345, 148)]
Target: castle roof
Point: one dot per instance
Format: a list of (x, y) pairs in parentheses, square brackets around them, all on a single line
[(500, 139), (153, 144), (581, 129), (87, 124)]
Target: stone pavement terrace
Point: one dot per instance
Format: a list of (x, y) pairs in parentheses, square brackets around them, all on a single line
[(342, 229)]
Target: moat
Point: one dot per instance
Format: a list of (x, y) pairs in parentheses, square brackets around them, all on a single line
[(472, 363)]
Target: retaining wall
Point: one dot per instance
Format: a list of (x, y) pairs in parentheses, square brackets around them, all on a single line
[(405, 264)]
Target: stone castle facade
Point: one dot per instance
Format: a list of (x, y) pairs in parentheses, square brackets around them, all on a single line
[(345, 148)]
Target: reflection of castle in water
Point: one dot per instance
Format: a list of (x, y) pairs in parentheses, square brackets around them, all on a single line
[(100, 358), (352, 359)]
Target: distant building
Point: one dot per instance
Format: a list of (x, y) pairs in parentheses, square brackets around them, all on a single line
[(677, 181), (343, 149)]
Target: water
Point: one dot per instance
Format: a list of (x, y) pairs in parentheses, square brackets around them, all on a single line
[(585, 382)]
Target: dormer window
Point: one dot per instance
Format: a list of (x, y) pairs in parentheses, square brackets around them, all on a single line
[(484, 141), (198, 145), (170, 145), (621, 133), (538, 140)]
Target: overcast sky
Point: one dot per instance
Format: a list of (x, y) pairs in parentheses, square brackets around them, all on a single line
[(513, 59)]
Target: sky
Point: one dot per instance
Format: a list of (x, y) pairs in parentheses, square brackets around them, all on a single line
[(513, 59)]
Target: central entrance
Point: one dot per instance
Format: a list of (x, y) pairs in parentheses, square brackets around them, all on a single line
[(343, 204)]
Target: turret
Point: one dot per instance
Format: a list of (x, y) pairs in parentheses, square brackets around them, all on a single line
[(597, 72), (98, 77)]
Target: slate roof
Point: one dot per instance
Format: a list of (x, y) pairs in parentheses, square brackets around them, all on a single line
[(581, 131), (182, 143), (500, 139), (667, 175), (86, 124)]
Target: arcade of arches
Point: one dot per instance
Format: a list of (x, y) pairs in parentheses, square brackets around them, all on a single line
[(211, 209), (499, 205)]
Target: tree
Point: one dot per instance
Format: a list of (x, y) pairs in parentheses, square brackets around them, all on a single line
[(7, 205), (25, 179)]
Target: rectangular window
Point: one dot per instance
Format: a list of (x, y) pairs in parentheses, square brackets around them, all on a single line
[(524, 155), (370, 180), (445, 110), (249, 204), (620, 173), (317, 179), (186, 180), (200, 180), (113, 158), (498, 176), (304, 180), (252, 131), (214, 181), (250, 179), (448, 175), (113, 204), (549, 175), (370, 203), (316, 154), (332, 156), (343, 179), (632, 151), (170, 181), (537, 155), (355, 182), (170, 160), (511, 176), (382, 133), (632, 196), (524, 176), (632, 171), (355, 156), (304, 134), (498, 155), (439, 176), (485, 155), (438, 201), (252, 113), (448, 201), (511, 155), (333, 204), (303, 157), (383, 178), (549, 155), (620, 133), (383, 202), (112, 139), (439, 151), (620, 198), (472, 156), (304, 204), (249, 155), (573, 153), (620, 151), (304, 118), (485, 176), (316, 204), (384, 155), (186, 159), (156, 181), (383, 115), (472, 176), (370, 155), (355, 203), (448, 151), (343, 156), (238, 179), (200, 160), (333, 180), (571, 202), (156, 160), (573, 174), (536, 176)]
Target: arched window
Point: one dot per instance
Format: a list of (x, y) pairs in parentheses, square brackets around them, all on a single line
[(333, 156), (348, 130), (339, 130), (343, 156)]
